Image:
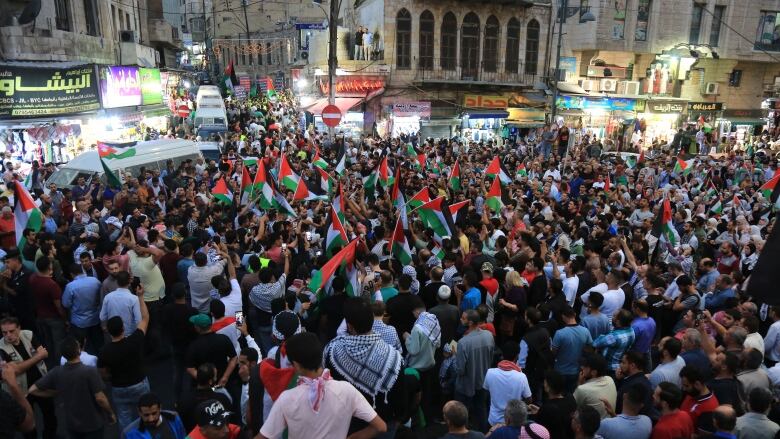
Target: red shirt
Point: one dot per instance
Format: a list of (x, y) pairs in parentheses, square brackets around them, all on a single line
[(45, 291), (676, 425), (696, 406), (8, 225)]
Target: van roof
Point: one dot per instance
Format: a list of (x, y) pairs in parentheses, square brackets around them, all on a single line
[(163, 148)]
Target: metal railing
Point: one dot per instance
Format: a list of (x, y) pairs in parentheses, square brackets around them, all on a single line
[(496, 73)]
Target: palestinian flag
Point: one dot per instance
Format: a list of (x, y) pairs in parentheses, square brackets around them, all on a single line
[(432, 216), (684, 167), (341, 161), (399, 246), (250, 161), (455, 177), (496, 169), (385, 177), (418, 158), (521, 171), (26, 214), (663, 228), (494, 196), (717, 208), (318, 161), (326, 181), (230, 80), (711, 190), (322, 276), (457, 207), (112, 180), (438, 251), (336, 236), (246, 185), (116, 150), (395, 192), (735, 204), (287, 177), (339, 202), (222, 193), (418, 199), (369, 184), (768, 187), (281, 203), (262, 188)]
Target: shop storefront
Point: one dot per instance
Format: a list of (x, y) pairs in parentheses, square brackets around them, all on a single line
[(521, 121), (742, 124), (483, 117), (706, 116), (360, 109), (662, 118), (406, 117), (603, 117)]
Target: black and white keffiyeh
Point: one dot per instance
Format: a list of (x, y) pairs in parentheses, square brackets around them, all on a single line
[(429, 325), (367, 362)]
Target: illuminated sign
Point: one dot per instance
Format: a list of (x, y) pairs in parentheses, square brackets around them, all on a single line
[(44, 91)]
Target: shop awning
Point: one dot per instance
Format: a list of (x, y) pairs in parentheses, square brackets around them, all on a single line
[(344, 105), (525, 123), (746, 121), (572, 89), (487, 114)]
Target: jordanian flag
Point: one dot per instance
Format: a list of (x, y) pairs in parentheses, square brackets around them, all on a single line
[(116, 150), (456, 208), (399, 246), (494, 196), (683, 167), (26, 214), (222, 193), (521, 172), (336, 236), (418, 199), (432, 216), (344, 257), (455, 177), (496, 169), (385, 176), (663, 228), (318, 161)]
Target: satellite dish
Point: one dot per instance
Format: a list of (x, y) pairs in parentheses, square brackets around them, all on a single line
[(30, 12)]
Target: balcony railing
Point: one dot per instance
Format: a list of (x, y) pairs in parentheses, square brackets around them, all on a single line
[(493, 73)]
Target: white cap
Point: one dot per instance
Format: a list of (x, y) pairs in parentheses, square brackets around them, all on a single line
[(444, 292)]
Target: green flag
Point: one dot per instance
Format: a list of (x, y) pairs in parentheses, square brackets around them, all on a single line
[(112, 179)]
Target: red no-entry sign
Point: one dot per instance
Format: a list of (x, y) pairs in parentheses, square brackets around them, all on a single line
[(331, 115)]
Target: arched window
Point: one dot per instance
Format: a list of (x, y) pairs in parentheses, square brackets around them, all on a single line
[(403, 39), (469, 46), (512, 45), (449, 41), (532, 48), (426, 40), (490, 50)]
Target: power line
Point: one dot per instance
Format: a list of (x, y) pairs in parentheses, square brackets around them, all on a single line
[(752, 42)]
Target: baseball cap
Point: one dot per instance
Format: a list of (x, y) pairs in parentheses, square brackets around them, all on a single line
[(444, 292), (487, 266), (212, 413), (201, 320)]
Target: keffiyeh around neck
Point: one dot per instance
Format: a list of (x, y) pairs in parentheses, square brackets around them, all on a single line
[(367, 362), (429, 325), (316, 388)]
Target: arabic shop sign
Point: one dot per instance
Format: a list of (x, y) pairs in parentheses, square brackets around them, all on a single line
[(416, 108), (39, 91), (705, 106), (486, 101), (608, 104), (665, 107), (151, 86), (120, 86)]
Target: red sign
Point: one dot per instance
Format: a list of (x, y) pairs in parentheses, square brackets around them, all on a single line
[(331, 115), (183, 111), (355, 84)]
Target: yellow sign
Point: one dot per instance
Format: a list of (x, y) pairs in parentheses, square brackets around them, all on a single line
[(485, 101)]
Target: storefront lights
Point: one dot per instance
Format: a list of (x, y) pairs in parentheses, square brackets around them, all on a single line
[(302, 83)]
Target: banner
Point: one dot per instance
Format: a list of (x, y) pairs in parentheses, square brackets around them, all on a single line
[(120, 86), (405, 109), (44, 91), (642, 19), (151, 86), (609, 104)]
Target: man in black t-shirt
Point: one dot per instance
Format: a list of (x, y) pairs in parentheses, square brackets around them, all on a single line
[(205, 390), (210, 347), (121, 363)]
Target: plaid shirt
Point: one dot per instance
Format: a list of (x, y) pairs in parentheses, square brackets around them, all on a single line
[(614, 344)]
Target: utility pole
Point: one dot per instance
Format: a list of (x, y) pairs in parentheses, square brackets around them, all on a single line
[(246, 23), (561, 15), (333, 28)]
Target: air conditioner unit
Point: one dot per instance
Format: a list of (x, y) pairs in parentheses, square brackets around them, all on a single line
[(127, 36), (589, 85), (628, 87), (609, 85), (711, 88)]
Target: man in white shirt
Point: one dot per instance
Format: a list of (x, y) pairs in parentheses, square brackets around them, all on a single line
[(506, 382), (199, 279)]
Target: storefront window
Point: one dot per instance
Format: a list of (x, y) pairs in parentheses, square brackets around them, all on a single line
[(512, 45), (449, 41), (426, 40), (768, 33)]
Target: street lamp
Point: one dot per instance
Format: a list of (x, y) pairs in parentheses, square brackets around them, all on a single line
[(563, 12)]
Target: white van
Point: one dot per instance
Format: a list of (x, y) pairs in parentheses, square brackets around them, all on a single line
[(150, 155), (210, 119), (210, 151), (208, 90)]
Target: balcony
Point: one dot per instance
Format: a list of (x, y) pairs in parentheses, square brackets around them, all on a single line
[(496, 75), (162, 33), (518, 3)]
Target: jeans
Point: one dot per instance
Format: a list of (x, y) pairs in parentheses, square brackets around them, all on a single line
[(53, 331), (262, 335), (92, 337), (97, 434), (477, 406), (126, 402)]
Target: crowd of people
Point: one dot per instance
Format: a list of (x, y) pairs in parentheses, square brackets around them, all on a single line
[(572, 295)]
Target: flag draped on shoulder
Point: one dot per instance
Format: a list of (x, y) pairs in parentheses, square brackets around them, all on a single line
[(346, 256), (432, 214), (496, 169), (399, 245), (26, 214), (222, 193), (455, 176)]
